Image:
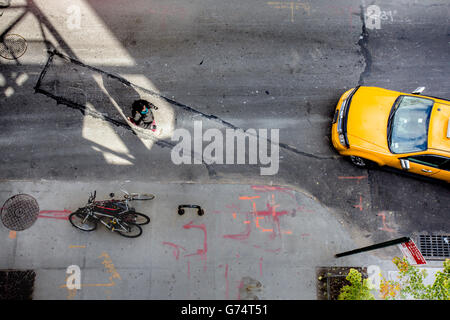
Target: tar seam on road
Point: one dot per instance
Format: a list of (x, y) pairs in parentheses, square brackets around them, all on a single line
[(363, 43), (85, 111)]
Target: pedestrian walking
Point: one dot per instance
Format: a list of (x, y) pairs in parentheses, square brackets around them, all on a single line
[(141, 114)]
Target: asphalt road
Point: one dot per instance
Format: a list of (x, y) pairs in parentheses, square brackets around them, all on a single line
[(252, 64)]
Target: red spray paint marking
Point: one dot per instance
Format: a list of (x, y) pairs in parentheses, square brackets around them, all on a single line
[(357, 178), (302, 208), (273, 251), (261, 228), (383, 219), (176, 251), (227, 289), (241, 236), (55, 214), (275, 216), (345, 10), (359, 206), (200, 252), (249, 198), (288, 191), (352, 177), (267, 250), (270, 212), (305, 234)]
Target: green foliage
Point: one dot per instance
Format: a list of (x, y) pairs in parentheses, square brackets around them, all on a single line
[(410, 283), (358, 289)]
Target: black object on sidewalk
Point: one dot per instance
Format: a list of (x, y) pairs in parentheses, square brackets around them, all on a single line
[(200, 211), (373, 247)]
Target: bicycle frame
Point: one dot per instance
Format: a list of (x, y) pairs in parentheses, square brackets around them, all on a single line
[(115, 218)]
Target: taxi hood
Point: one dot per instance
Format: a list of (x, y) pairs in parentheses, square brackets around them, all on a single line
[(368, 116)]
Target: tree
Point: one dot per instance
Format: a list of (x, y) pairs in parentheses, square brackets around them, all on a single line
[(358, 289), (410, 283)]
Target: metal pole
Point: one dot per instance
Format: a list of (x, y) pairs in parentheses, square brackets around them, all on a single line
[(373, 247)]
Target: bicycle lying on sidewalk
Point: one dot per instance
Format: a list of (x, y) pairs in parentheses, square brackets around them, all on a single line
[(116, 215)]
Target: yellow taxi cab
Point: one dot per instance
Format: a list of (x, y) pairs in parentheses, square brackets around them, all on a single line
[(407, 131)]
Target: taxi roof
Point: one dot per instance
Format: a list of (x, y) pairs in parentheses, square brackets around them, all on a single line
[(439, 126)]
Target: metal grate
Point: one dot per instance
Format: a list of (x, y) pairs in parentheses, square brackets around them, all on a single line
[(435, 247), (17, 284), (20, 212)]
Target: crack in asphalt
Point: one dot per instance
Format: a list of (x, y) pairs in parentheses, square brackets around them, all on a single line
[(363, 44), (84, 110)]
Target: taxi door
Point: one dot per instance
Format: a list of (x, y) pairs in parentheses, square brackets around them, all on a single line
[(425, 164)]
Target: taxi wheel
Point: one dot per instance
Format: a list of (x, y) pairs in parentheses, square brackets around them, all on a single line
[(361, 162)]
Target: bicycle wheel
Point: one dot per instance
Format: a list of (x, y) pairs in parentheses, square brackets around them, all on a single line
[(82, 221), (142, 196), (136, 218), (133, 230)]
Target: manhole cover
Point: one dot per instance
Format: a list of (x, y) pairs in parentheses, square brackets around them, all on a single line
[(20, 212), (12, 46), (435, 247)]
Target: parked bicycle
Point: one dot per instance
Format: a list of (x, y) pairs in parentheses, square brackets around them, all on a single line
[(114, 214)]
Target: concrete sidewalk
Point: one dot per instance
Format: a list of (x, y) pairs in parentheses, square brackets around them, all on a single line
[(254, 242)]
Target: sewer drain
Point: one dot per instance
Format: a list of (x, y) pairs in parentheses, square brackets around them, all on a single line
[(20, 212), (17, 284), (12, 46), (435, 247)]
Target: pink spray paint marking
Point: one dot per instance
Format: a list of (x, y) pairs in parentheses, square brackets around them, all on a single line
[(267, 250), (240, 236), (303, 209), (273, 250), (383, 219), (288, 191), (233, 206), (357, 178), (176, 251), (200, 252), (305, 235), (227, 288), (275, 215), (55, 214)]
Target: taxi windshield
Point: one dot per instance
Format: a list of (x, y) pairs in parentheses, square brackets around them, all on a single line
[(408, 124)]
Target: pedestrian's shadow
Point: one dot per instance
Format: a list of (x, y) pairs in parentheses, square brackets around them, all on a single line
[(122, 95)]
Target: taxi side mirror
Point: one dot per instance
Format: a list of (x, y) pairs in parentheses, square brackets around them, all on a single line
[(405, 164)]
